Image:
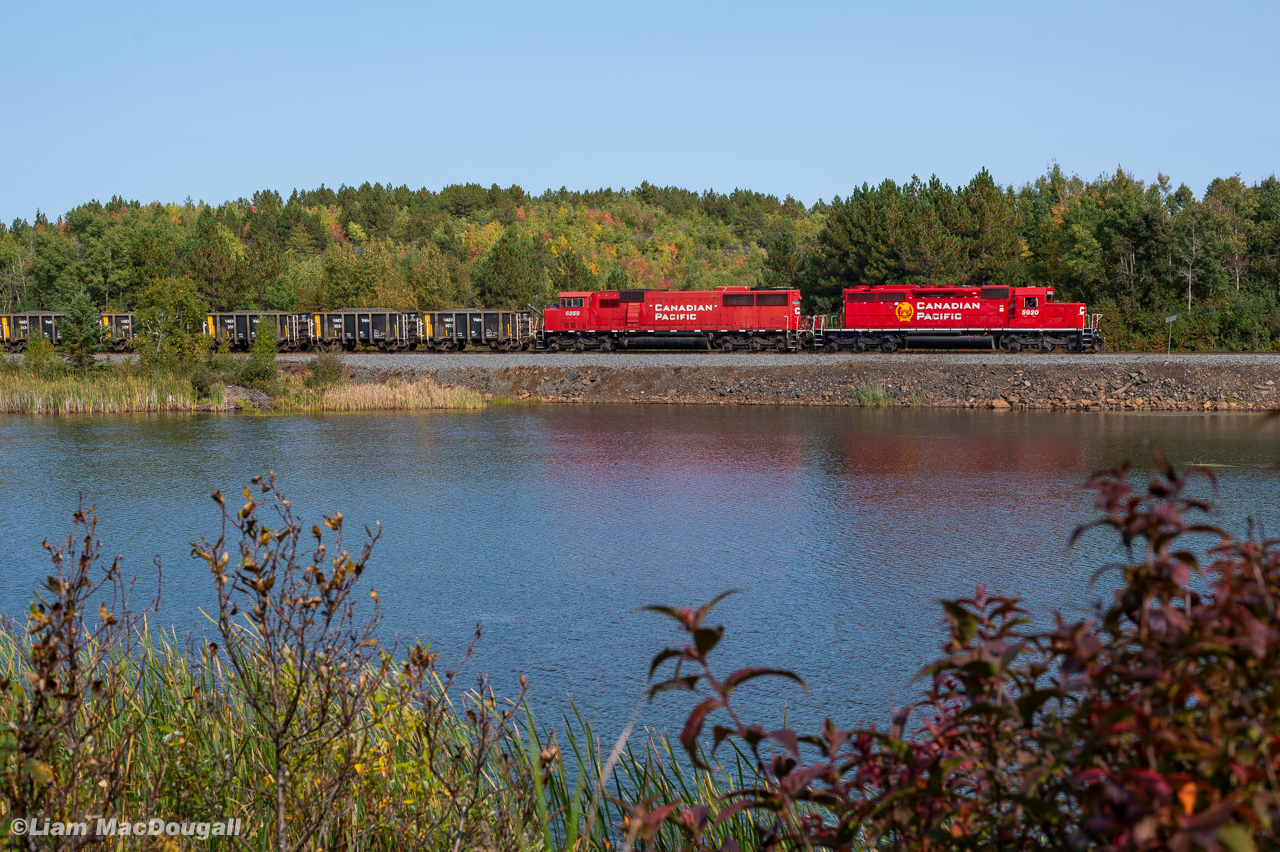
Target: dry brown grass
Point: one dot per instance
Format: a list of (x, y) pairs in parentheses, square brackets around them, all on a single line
[(394, 395)]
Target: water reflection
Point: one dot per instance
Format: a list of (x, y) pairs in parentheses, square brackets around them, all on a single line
[(552, 525)]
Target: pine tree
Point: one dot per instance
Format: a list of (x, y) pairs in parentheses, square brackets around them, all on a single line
[(213, 264), (569, 273), (509, 276), (618, 279), (81, 332), (783, 263)]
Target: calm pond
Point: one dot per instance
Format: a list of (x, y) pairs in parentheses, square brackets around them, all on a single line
[(552, 525)]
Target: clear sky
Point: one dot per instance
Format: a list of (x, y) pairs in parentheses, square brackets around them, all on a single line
[(216, 100)]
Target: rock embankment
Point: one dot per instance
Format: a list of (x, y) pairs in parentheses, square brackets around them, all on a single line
[(238, 397), (1120, 382)]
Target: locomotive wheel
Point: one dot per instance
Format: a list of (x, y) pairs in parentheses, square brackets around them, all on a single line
[(1074, 345), (1012, 345), (860, 345), (606, 344), (890, 344), (726, 345), (1046, 347), (833, 346), (580, 345), (554, 346), (756, 345)]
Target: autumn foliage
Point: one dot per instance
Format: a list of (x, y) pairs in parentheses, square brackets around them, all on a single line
[(1154, 725)]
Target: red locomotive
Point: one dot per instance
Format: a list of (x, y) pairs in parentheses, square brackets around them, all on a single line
[(1012, 318), (727, 317)]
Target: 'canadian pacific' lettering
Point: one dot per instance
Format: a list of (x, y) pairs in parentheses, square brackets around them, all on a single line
[(679, 312), (942, 310)]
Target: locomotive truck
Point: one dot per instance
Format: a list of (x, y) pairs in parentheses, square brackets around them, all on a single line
[(1011, 318)]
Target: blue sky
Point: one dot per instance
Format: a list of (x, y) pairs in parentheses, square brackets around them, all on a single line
[(216, 100)]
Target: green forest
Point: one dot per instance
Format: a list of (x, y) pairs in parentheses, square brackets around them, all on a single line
[(1136, 251)]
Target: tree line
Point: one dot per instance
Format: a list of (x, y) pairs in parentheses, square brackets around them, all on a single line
[(1136, 251)]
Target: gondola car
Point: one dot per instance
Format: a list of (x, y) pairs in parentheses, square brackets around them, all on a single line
[(728, 318), (889, 318)]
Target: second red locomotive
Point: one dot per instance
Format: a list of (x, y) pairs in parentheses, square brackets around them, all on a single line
[(1011, 318), (728, 318)]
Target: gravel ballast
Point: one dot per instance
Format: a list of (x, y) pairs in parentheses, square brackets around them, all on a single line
[(1102, 381)]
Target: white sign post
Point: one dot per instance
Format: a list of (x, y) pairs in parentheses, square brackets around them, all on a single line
[(1169, 322)]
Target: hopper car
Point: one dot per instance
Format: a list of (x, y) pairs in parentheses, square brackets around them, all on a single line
[(239, 328), (16, 329), (501, 331), (388, 330), (120, 330)]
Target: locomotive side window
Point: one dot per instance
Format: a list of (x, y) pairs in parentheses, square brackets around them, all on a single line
[(737, 300), (1030, 302)]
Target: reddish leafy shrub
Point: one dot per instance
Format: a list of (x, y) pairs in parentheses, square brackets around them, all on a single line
[(1154, 726)]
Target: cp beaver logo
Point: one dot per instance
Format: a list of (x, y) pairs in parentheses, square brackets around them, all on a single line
[(904, 311)]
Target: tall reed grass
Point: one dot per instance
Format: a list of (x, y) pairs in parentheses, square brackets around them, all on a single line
[(113, 392), (196, 752)]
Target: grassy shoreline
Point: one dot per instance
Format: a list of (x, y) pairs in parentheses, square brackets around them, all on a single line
[(28, 392), (121, 391)]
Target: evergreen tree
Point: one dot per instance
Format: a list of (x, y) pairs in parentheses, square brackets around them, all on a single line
[(568, 272), (782, 266), (212, 264), (81, 332), (618, 279), (263, 266), (510, 275), (260, 367)]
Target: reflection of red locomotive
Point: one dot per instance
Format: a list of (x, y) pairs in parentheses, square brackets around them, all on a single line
[(1013, 318), (727, 317)]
